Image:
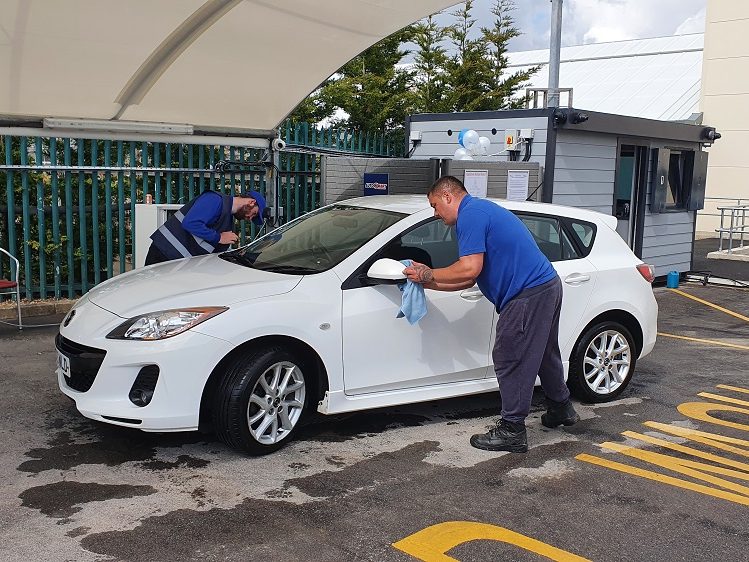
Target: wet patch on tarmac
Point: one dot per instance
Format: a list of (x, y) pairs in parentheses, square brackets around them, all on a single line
[(185, 461), (337, 429), (77, 532), (63, 499)]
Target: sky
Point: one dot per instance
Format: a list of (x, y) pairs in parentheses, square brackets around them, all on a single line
[(596, 21)]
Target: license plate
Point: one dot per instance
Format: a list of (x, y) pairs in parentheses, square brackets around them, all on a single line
[(63, 364)]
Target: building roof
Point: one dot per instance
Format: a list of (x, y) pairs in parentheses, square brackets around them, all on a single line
[(655, 78)]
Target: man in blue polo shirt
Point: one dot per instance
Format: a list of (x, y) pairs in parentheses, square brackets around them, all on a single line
[(497, 251), (205, 225)]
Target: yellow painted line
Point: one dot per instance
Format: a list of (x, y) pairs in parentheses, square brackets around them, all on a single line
[(734, 388), (721, 398), (430, 544), (689, 451), (699, 411), (712, 439), (715, 306), (662, 478), (694, 469), (708, 342)]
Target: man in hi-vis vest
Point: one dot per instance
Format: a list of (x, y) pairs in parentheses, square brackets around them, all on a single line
[(205, 225)]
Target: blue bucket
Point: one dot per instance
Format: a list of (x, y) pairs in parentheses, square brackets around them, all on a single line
[(672, 279)]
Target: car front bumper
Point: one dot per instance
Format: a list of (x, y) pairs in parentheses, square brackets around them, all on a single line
[(184, 364)]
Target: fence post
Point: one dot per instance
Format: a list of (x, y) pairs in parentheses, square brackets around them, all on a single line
[(55, 216), (69, 216)]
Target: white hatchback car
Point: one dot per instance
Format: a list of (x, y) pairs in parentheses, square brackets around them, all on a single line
[(248, 341)]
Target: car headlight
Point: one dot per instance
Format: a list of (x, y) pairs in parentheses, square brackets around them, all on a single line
[(163, 324)]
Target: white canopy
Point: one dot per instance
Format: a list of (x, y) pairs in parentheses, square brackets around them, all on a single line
[(215, 64)]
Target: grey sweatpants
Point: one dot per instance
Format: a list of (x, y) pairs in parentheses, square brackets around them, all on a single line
[(527, 345)]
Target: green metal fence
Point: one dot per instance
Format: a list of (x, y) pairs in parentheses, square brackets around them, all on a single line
[(69, 203)]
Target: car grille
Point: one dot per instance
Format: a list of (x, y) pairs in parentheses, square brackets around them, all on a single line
[(84, 363)]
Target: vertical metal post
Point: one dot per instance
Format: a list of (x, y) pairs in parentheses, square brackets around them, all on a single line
[(555, 46), (69, 217)]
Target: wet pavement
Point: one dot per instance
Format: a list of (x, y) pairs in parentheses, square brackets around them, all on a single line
[(371, 486)]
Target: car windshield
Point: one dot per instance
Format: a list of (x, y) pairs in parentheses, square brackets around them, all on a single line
[(314, 242)]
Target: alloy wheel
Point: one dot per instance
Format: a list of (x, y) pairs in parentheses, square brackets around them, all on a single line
[(276, 403), (607, 362)]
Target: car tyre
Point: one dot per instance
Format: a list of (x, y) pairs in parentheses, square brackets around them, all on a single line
[(602, 362), (260, 401)]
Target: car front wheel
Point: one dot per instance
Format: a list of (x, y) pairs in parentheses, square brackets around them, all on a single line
[(602, 363), (260, 401)]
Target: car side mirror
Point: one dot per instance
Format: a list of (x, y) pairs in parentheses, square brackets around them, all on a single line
[(387, 271)]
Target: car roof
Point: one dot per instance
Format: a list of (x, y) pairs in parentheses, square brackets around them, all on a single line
[(412, 204)]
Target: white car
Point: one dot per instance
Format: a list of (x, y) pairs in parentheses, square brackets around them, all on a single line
[(248, 341)]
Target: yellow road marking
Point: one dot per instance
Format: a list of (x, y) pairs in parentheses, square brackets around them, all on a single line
[(699, 411), (709, 342), (697, 470), (734, 388), (715, 306), (721, 398), (678, 482), (689, 451), (430, 544), (712, 439)]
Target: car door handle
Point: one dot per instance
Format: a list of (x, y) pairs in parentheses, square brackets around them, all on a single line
[(471, 294), (576, 278)]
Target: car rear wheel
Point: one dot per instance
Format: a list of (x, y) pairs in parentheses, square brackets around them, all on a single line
[(602, 363), (260, 401)]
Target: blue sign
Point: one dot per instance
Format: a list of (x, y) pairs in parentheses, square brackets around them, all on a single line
[(375, 184)]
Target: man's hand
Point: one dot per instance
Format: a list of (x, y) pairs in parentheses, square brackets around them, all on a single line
[(228, 237), (419, 273)]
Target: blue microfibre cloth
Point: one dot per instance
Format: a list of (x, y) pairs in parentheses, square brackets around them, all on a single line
[(414, 302)]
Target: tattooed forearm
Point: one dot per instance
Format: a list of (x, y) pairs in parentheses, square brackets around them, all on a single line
[(424, 274)]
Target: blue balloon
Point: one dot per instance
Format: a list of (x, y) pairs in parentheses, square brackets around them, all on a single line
[(460, 137)]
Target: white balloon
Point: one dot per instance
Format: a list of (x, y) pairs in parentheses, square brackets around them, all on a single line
[(485, 143), (475, 149), (470, 138), (460, 153)]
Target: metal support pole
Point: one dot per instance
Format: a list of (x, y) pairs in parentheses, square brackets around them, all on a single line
[(555, 46)]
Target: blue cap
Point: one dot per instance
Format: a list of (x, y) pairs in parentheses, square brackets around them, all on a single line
[(260, 200)]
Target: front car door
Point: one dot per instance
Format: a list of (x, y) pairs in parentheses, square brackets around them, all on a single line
[(384, 353)]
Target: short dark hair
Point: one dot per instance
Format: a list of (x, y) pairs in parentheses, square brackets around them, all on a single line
[(447, 183)]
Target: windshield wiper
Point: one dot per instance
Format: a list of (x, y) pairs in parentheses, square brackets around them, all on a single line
[(291, 269), (236, 257)]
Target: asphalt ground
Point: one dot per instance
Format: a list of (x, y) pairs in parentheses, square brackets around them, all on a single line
[(399, 484)]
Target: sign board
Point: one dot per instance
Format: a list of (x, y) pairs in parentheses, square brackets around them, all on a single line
[(517, 185), (375, 184), (476, 182)]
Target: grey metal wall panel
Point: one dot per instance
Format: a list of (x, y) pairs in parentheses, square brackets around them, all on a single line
[(342, 177), (585, 171), (497, 184), (437, 143)]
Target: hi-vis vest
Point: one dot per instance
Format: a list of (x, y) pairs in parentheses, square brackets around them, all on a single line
[(175, 242)]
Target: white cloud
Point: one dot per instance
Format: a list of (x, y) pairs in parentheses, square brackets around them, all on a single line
[(593, 21)]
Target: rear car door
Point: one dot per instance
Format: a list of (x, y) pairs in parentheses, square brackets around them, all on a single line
[(566, 243)]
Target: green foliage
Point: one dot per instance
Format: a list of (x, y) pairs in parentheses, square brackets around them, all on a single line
[(452, 71)]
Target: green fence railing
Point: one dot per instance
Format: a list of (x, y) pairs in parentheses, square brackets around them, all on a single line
[(69, 204)]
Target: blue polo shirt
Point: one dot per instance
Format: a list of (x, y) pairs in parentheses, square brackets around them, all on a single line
[(512, 260)]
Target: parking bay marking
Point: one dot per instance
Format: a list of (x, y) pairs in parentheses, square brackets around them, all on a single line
[(431, 544), (709, 342), (719, 487), (708, 303)]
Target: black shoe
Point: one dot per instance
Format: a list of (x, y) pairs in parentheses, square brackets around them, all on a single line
[(559, 414), (507, 436)]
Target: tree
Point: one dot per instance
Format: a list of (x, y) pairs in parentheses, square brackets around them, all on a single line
[(502, 95), (429, 65)]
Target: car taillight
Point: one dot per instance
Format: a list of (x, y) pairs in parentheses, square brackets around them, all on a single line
[(647, 271)]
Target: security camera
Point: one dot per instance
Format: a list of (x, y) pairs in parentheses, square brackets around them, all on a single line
[(278, 144)]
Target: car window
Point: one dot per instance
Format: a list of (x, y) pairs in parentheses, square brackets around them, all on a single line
[(584, 231), (552, 240), (432, 243), (316, 241)]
